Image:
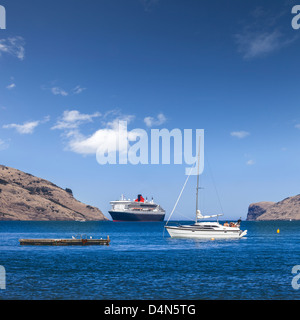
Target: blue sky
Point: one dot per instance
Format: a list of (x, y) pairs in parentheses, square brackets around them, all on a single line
[(70, 68)]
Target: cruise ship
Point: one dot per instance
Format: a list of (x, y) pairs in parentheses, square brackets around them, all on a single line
[(136, 210)]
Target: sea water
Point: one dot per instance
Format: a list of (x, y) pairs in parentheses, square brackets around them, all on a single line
[(143, 262)]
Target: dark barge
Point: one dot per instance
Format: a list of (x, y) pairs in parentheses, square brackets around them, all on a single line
[(65, 242)]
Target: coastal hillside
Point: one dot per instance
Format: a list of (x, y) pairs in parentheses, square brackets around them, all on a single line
[(26, 197), (287, 209)]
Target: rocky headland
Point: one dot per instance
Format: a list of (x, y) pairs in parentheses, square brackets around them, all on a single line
[(26, 197), (287, 209)]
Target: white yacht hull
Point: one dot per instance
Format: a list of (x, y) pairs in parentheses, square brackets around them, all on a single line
[(183, 232)]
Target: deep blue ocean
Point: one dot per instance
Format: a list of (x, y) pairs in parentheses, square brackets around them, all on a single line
[(143, 262)]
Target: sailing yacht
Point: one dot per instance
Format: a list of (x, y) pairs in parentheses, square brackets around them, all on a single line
[(205, 229)]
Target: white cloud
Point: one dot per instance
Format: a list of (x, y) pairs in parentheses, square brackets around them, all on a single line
[(3, 145), (297, 126), (59, 91), (14, 46), (256, 44), (78, 89), (72, 119), (26, 127), (11, 86), (74, 115), (150, 121), (261, 35), (240, 134), (102, 139), (250, 162)]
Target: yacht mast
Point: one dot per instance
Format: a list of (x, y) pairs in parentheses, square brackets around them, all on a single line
[(197, 189)]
